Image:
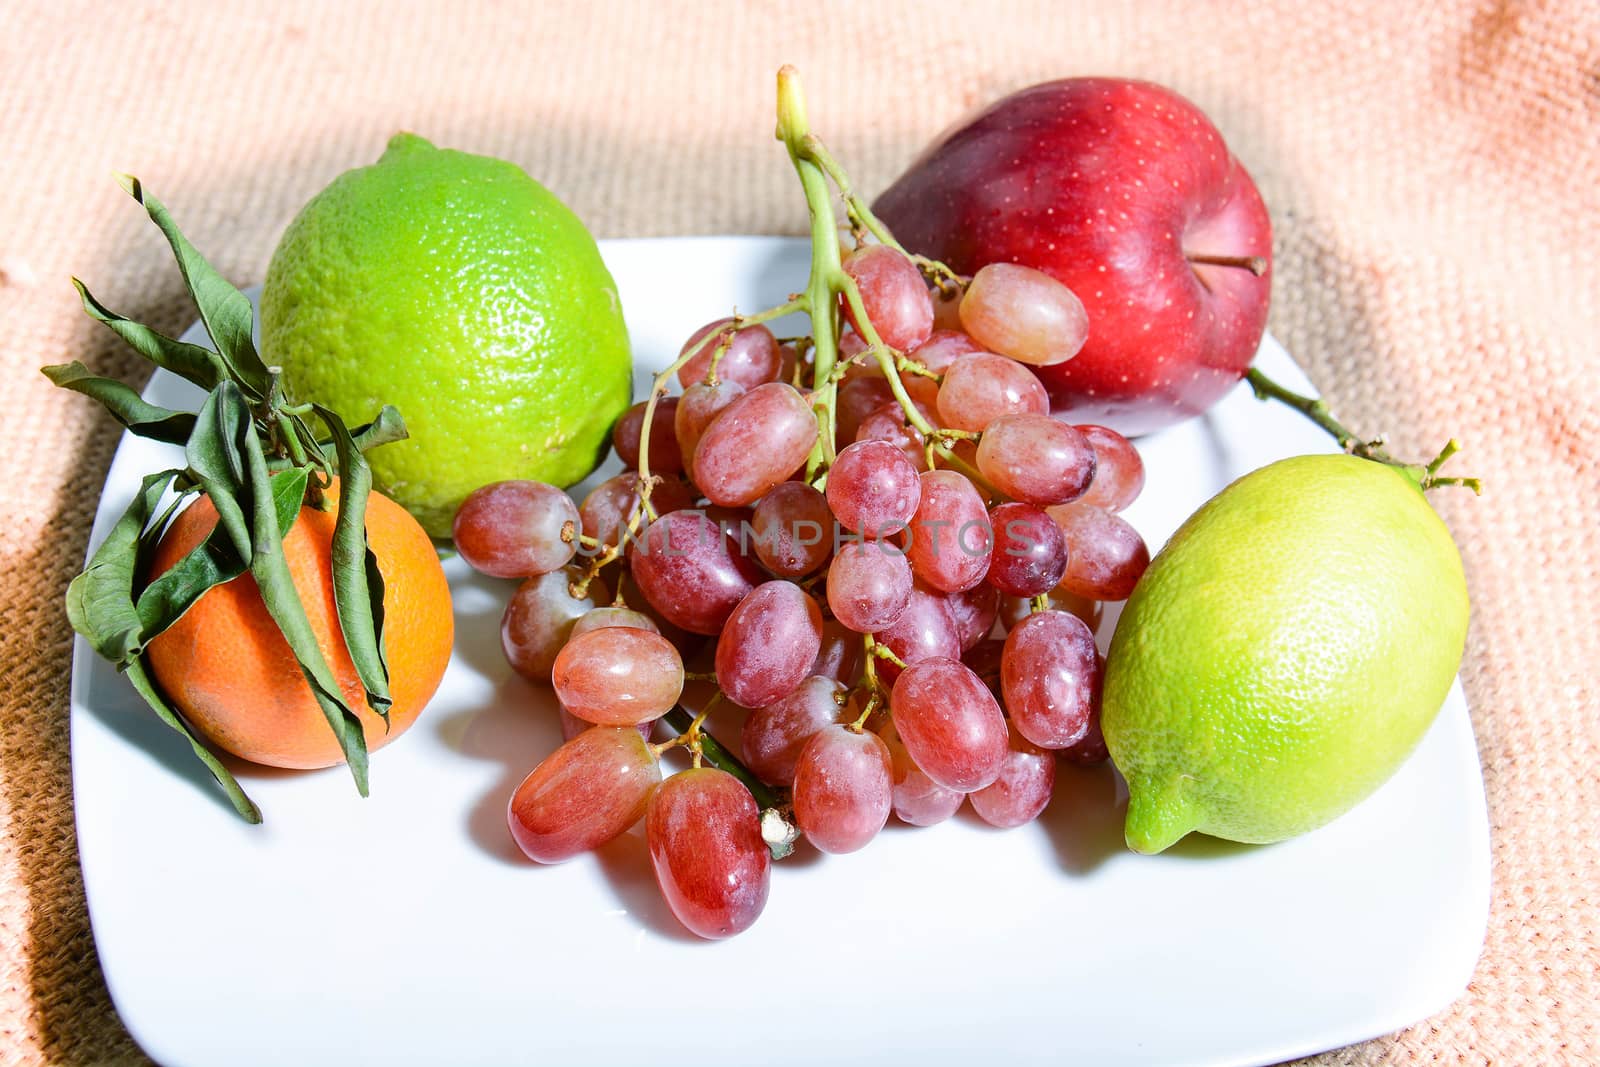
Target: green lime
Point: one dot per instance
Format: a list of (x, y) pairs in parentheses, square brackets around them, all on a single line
[(1284, 653), (461, 291)]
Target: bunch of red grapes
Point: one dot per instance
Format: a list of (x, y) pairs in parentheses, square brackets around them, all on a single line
[(853, 545)]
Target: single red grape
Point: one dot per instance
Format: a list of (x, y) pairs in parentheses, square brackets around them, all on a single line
[(1025, 314), (751, 356), (869, 585), (925, 630), (842, 785), (1106, 557), (873, 489), (1050, 678), (691, 571), (516, 529), (951, 539), (755, 443), (618, 676), (768, 644), (774, 735), (704, 834), (893, 295), (1118, 470), (540, 617), (1036, 459), (943, 348), (1030, 552), (793, 530), (583, 794), (980, 388), (665, 456), (950, 723), (1022, 791)]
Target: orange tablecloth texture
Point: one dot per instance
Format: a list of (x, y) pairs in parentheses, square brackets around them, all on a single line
[(1434, 178)]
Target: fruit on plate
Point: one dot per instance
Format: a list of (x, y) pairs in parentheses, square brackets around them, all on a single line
[(1125, 192), (1284, 652), (233, 677), (256, 592), (893, 477), (460, 290)]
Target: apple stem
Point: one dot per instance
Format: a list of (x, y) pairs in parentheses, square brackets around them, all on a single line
[(1256, 265), (1426, 475)]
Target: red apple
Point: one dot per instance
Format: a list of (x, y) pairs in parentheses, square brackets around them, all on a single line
[(1125, 192)]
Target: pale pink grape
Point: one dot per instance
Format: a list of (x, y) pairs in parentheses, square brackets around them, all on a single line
[(842, 786), (951, 539), (917, 799), (869, 585), (1106, 555), (751, 358), (893, 295), (1025, 314), (980, 388), (950, 723), (1022, 792), (1118, 470), (1036, 459), (755, 443), (618, 676), (943, 348), (873, 489)]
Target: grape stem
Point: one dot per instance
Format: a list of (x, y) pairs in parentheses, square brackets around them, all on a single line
[(872, 705), (718, 756), (949, 283), (1426, 475)]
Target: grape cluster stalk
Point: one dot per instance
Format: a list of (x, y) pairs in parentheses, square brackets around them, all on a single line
[(874, 542)]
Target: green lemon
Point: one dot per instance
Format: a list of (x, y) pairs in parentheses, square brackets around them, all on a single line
[(1284, 653), (461, 291)]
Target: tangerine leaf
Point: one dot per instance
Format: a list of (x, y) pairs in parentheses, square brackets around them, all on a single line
[(224, 310), (101, 607), (387, 428), (199, 365), (125, 404), (215, 457), (357, 582), (100, 602), (270, 569), (145, 687), (212, 562)]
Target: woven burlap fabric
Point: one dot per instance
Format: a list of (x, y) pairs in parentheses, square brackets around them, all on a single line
[(1432, 177)]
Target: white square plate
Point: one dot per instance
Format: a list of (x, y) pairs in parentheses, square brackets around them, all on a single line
[(406, 929)]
